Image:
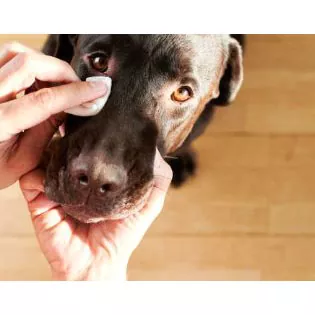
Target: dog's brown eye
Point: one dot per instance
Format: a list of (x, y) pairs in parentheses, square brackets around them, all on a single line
[(182, 94), (99, 62)]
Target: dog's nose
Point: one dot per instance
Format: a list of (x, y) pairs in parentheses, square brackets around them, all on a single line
[(99, 178)]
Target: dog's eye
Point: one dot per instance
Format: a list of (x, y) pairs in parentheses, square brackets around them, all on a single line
[(99, 62), (182, 94)]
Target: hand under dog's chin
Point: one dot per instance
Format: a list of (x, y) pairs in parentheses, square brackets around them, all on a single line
[(123, 209)]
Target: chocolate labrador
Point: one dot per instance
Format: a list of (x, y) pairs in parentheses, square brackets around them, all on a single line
[(164, 88)]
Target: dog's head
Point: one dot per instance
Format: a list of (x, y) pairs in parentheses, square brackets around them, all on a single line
[(103, 167)]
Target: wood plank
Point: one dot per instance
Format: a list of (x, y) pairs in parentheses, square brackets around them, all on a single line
[(22, 260), (283, 257)]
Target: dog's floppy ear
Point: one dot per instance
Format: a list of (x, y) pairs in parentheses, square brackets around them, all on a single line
[(232, 78), (60, 46)]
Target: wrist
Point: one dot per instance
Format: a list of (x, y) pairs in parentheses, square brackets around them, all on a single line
[(103, 273)]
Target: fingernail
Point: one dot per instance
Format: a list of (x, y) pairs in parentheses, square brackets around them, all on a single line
[(157, 159), (100, 82), (98, 85), (30, 195)]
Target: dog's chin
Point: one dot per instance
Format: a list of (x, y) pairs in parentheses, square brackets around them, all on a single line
[(125, 208)]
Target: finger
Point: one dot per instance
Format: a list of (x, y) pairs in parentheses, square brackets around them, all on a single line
[(10, 50), (141, 221), (31, 185), (30, 182), (162, 180), (44, 212), (35, 108), (21, 72), (46, 215)]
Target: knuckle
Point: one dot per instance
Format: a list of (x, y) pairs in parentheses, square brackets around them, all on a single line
[(24, 59), (63, 69), (22, 62), (10, 46), (44, 98), (2, 115), (1, 123), (3, 126), (67, 68), (23, 65), (66, 65)]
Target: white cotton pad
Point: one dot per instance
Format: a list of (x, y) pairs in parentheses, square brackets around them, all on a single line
[(92, 108)]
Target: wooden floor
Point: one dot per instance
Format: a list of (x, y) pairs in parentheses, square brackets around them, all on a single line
[(250, 212)]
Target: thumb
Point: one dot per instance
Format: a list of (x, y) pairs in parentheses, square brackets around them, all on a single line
[(162, 180), (142, 220)]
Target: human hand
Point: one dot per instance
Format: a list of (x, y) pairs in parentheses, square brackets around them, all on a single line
[(100, 251), (28, 123)]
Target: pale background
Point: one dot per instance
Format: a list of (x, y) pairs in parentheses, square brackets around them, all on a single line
[(249, 214)]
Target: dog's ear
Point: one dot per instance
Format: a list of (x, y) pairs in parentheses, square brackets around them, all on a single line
[(232, 78), (60, 46)]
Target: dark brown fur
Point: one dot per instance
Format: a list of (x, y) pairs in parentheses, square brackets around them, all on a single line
[(116, 148)]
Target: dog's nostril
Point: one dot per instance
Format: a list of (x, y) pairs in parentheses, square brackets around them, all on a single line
[(107, 187), (83, 180), (98, 180)]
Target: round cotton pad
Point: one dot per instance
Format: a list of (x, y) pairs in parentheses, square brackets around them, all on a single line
[(92, 108)]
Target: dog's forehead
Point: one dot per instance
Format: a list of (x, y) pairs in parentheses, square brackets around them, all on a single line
[(208, 56), (203, 56), (208, 49)]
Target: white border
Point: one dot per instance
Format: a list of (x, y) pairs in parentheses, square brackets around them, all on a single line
[(160, 16), (257, 298)]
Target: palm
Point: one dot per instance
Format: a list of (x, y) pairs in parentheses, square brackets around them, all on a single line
[(75, 248), (90, 251)]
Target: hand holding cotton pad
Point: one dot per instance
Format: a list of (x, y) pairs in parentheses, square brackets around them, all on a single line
[(92, 108)]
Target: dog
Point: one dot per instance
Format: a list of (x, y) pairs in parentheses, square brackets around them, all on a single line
[(164, 89)]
